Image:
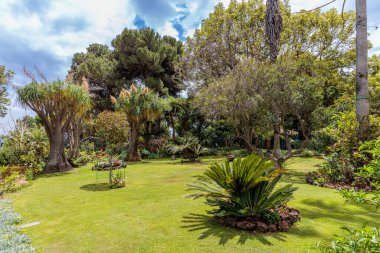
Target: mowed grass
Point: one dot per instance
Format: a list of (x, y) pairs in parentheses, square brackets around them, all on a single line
[(78, 213)]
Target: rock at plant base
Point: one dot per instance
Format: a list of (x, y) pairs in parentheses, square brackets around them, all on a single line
[(245, 225), (272, 228), (229, 221), (294, 216), (284, 216), (262, 227), (283, 226)]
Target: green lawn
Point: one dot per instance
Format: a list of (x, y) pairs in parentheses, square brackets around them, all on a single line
[(80, 214)]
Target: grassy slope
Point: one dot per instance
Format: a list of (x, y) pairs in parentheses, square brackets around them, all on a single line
[(79, 214)]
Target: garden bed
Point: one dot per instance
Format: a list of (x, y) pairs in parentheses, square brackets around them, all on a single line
[(255, 224), (314, 178), (106, 165)]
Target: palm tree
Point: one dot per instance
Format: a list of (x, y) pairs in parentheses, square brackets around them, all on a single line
[(57, 104), (140, 105), (362, 104), (273, 28)]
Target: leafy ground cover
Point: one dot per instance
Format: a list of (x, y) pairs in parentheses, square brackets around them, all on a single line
[(79, 213)]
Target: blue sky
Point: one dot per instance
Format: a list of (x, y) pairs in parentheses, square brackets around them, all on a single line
[(46, 33)]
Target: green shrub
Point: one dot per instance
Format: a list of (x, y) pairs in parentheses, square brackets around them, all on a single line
[(371, 170), (8, 184), (337, 168), (144, 153), (245, 188), (365, 239)]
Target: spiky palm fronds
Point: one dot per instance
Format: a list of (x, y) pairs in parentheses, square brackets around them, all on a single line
[(139, 104), (57, 100), (189, 148), (244, 188)]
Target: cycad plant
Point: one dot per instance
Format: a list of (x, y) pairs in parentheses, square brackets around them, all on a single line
[(190, 148), (244, 188)]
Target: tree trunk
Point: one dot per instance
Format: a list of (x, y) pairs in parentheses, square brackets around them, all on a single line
[(133, 154), (276, 141), (57, 159), (74, 138), (157, 127), (267, 144), (287, 141), (362, 104), (173, 126)]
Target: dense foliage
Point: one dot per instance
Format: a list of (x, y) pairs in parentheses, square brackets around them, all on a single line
[(111, 128)]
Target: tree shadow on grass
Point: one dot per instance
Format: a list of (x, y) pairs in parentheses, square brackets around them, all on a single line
[(209, 227), (294, 177), (137, 162), (340, 213), (58, 174), (96, 187)]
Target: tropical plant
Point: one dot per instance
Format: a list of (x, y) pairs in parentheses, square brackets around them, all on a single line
[(57, 104), (189, 148), (139, 105), (244, 188)]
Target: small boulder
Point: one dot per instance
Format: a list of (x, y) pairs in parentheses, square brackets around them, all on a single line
[(245, 225), (261, 227), (283, 226), (229, 221), (272, 228)]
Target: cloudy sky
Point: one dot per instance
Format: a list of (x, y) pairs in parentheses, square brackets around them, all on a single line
[(46, 33)]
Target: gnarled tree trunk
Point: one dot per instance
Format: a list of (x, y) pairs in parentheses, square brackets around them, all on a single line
[(276, 141), (133, 154), (74, 140), (57, 159)]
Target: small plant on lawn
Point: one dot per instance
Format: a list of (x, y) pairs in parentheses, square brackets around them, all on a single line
[(246, 189)]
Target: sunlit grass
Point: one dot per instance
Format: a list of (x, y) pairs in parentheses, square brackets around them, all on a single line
[(78, 213)]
